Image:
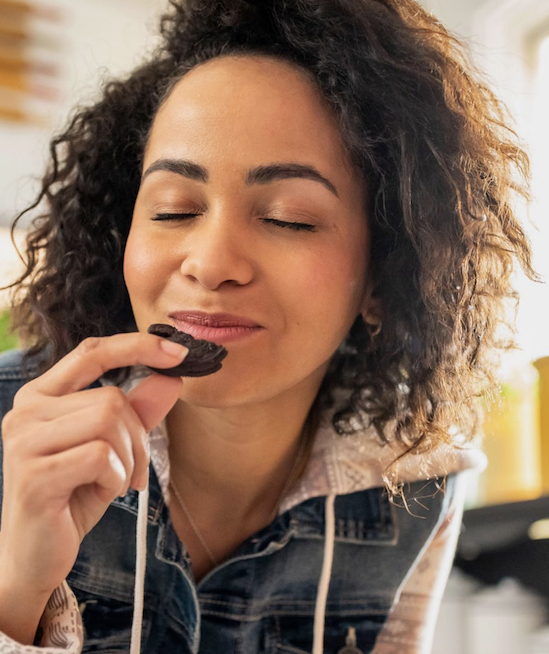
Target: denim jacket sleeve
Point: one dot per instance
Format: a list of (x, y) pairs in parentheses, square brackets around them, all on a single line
[(60, 629)]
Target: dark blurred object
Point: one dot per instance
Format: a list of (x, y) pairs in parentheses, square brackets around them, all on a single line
[(507, 540)]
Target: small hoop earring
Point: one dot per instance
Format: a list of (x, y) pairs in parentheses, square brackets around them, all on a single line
[(373, 327)]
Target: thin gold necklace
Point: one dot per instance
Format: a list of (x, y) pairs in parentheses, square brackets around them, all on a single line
[(193, 524), (289, 482)]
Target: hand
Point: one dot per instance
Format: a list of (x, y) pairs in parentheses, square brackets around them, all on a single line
[(69, 452)]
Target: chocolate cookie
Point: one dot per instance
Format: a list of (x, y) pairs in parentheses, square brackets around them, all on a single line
[(204, 357)]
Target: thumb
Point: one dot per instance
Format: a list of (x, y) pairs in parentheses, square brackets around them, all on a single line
[(153, 398)]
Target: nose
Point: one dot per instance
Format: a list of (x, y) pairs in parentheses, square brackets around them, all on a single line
[(218, 252)]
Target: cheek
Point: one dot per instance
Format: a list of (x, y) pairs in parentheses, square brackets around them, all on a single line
[(135, 266), (142, 266), (324, 301), (336, 281)]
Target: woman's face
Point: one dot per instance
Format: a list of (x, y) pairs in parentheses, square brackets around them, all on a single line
[(249, 208)]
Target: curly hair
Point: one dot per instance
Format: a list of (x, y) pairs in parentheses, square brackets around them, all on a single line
[(430, 140)]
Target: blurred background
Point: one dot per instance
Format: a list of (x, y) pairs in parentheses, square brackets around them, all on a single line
[(54, 53)]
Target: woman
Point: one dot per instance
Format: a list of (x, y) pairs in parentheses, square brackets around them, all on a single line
[(322, 188)]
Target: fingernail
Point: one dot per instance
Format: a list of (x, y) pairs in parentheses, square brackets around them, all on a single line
[(174, 349)]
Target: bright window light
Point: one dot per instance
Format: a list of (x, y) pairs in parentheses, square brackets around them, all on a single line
[(533, 318)]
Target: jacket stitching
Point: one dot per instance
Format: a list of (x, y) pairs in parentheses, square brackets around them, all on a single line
[(288, 648), (365, 613), (243, 605)]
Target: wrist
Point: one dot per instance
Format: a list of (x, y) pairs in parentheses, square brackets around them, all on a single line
[(20, 612), (21, 604), (17, 576)]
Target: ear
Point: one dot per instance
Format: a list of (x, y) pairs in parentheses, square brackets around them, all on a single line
[(371, 308)]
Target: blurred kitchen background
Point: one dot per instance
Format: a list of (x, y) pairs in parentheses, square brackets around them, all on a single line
[(54, 53)]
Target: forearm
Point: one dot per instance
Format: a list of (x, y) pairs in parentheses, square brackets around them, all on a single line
[(20, 613)]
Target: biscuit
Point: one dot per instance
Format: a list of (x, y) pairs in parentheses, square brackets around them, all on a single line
[(204, 357)]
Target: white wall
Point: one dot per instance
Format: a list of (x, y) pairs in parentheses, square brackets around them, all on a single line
[(455, 14)]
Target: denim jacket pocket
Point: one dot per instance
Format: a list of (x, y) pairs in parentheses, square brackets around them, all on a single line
[(107, 623), (294, 633)]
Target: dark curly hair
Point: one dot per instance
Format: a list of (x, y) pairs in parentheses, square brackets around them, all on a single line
[(432, 144)]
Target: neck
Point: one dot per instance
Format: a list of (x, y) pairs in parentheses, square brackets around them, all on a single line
[(233, 464)]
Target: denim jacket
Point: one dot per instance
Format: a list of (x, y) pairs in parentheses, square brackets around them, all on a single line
[(263, 598)]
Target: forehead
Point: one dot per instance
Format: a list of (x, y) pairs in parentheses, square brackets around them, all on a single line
[(253, 109)]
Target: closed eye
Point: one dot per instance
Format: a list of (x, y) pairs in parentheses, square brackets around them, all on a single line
[(174, 216), (285, 224), (288, 224)]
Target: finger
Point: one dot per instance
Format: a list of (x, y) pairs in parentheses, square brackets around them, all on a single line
[(75, 419), (153, 398), (95, 462), (93, 357), (99, 413), (43, 408), (94, 424)]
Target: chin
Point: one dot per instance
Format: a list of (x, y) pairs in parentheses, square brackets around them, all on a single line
[(205, 392)]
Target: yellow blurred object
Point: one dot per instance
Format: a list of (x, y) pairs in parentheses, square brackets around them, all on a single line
[(28, 73), (15, 6), (14, 26), (14, 80), (20, 8), (511, 441), (542, 366)]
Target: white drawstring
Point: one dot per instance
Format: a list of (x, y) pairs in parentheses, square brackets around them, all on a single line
[(325, 576), (140, 563), (141, 559)]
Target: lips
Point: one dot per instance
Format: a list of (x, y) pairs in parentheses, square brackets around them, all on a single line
[(219, 328), (212, 319)]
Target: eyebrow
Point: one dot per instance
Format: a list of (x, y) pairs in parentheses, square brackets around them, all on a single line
[(259, 175)]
